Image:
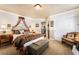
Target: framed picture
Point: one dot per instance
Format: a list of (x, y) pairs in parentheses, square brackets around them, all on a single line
[(51, 23), (43, 23), (8, 25), (37, 25)]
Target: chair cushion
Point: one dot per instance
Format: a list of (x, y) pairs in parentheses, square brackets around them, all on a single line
[(70, 36), (70, 40), (77, 35)]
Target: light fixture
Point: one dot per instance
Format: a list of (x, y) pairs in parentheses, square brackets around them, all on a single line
[(37, 6), (3, 28)]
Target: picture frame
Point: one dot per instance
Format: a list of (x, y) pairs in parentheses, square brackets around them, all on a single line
[(8, 25), (51, 23), (43, 23), (37, 25)]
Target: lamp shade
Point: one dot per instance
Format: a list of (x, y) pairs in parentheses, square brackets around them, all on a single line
[(3, 27)]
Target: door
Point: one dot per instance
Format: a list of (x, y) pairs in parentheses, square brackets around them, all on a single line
[(43, 28)]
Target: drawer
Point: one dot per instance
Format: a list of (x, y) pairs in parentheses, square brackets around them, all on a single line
[(4, 40)]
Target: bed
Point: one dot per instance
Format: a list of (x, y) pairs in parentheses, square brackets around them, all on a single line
[(24, 40)]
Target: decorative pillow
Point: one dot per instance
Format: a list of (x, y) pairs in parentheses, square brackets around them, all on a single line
[(26, 30), (70, 36), (16, 32), (22, 31), (70, 40), (77, 37)]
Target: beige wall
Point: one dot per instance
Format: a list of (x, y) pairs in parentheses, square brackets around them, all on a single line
[(11, 18), (65, 22)]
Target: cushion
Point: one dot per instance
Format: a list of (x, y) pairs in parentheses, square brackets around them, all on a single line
[(16, 32), (77, 35), (77, 39), (70, 40), (70, 36)]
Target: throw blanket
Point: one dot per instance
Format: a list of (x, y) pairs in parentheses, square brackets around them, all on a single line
[(21, 40)]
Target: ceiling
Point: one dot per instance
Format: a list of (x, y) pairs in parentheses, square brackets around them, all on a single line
[(45, 11)]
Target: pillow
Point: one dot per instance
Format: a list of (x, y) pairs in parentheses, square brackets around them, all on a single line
[(77, 35), (26, 30), (70, 36), (22, 31), (16, 32), (70, 40)]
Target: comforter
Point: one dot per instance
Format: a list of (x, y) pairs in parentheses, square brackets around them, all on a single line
[(21, 40)]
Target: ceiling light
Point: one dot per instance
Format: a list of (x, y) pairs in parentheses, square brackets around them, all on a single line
[(37, 6)]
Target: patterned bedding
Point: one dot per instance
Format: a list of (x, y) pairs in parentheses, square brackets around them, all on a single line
[(21, 40)]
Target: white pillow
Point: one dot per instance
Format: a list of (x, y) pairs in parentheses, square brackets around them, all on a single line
[(21, 31)]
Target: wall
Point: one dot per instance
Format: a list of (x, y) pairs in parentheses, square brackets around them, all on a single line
[(7, 18), (64, 23), (33, 23), (77, 24), (12, 18), (51, 28)]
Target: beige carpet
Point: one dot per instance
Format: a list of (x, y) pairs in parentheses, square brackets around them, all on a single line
[(55, 48), (9, 50)]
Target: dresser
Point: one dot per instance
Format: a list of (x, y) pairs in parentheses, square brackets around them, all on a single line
[(5, 39)]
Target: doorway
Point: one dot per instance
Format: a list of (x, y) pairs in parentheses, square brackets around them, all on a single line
[(43, 28)]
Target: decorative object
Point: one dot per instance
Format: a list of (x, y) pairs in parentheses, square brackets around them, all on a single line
[(23, 20), (9, 25), (3, 29), (43, 23), (4, 32), (52, 24), (37, 25), (3, 26)]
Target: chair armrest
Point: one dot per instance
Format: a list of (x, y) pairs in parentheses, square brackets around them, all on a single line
[(64, 36)]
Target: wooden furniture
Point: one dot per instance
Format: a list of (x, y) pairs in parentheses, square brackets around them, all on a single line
[(5, 40), (71, 38), (38, 47)]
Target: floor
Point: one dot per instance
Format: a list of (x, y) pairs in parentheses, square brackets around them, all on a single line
[(55, 48)]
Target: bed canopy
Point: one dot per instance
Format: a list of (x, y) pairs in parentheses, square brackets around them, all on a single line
[(21, 19)]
